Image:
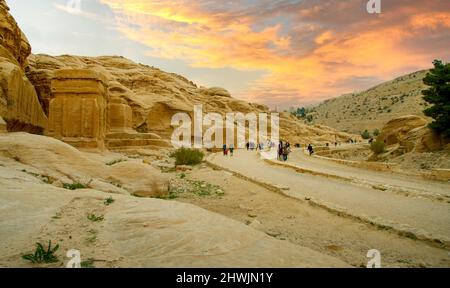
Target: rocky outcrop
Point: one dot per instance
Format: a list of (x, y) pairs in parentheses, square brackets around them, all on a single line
[(19, 103), (397, 129), (135, 232), (77, 112), (61, 163), (412, 134), (14, 44), (155, 96)]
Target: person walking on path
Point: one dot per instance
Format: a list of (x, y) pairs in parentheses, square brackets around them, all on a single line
[(224, 149), (310, 149), (286, 151), (280, 150), (231, 150)]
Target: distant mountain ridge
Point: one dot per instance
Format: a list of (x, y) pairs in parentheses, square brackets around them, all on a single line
[(373, 108)]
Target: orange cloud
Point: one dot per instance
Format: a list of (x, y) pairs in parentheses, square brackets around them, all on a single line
[(301, 67)]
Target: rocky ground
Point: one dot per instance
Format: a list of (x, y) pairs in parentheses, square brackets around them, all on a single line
[(258, 226), (50, 191)]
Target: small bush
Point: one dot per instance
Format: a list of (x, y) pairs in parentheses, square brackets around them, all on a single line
[(378, 147), (74, 186), (365, 135), (88, 264), (109, 201), (41, 255), (184, 156), (94, 218)]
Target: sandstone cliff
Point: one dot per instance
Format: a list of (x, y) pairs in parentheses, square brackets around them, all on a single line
[(412, 134), (19, 104), (155, 96)]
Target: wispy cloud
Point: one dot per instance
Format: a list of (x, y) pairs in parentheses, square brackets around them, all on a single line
[(309, 50)]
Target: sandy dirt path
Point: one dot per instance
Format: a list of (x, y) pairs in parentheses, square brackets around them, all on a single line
[(407, 183), (421, 216), (305, 225)]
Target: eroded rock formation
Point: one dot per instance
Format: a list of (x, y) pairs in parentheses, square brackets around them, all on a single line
[(155, 96), (111, 101), (19, 104), (77, 112), (83, 113), (412, 134)]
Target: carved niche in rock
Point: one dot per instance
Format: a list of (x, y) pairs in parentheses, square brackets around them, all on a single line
[(77, 112)]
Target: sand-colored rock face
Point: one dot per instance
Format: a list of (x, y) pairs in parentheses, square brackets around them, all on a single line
[(119, 115), (77, 112), (19, 103), (136, 232), (155, 96), (63, 163), (83, 113), (411, 133), (12, 39), (396, 129)]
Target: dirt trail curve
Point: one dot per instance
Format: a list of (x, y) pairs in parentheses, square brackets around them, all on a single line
[(401, 183), (413, 216)]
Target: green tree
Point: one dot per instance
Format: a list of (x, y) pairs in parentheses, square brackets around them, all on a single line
[(439, 96), (301, 112)]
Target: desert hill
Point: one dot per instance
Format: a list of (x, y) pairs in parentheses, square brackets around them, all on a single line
[(373, 108)]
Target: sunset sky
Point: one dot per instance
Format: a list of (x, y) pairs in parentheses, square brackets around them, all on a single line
[(281, 52)]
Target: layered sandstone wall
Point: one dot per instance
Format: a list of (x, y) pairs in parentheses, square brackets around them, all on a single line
[(155, 96), (77, 112), (412, 134), (19, 104)]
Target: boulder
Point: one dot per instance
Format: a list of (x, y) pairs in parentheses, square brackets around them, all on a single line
[(412, 134), (395, 131), (62, 162)]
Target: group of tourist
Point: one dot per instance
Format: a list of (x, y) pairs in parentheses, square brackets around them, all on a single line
[(227, 150), (260, 146), (284, 149)]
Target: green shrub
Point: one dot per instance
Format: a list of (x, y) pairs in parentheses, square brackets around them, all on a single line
[(88, 264), (41, 255), (378, 147), (109, 201), (94, 218), (365, 135), (184, 156)]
